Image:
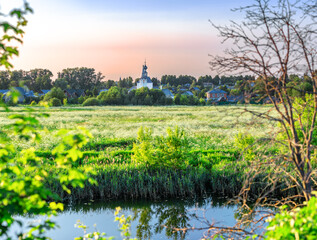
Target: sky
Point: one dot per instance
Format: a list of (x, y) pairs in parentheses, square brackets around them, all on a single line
[(116, 36)]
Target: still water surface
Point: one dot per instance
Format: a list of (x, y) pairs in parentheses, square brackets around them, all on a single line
[(151, 220)]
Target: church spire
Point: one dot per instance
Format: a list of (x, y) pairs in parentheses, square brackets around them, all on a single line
[(144, 72)]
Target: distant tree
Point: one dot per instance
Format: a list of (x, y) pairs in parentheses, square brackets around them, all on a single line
[(61, 83), (114, 96), (81, 78), (125, 82), (38, 79), (177, 99), (148, 100), (184, 100), (110, 83), (155, 81), (4, 79), (55, 93), (157, 96)]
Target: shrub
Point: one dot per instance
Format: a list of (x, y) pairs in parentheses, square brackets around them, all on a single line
[(81, 100), (297, 224), (202, 102), (33, 103), (65, 101), (91, 102), (171, 151), (55, 102), (245, 144), (55, 93)]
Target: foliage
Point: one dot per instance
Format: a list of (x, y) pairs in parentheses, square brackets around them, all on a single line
[(172, 150), (245, 144), (114, 96), (12, 32), (91, 102), (124, 224), (81, 100), (55, 93), (23, 190), (90, 236), (299, 223), (79, 78), (55, 102)]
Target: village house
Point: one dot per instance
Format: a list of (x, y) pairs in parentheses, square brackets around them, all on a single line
[(216, 94), (167, 93), (23, 94), (74, 93), (43, 92)]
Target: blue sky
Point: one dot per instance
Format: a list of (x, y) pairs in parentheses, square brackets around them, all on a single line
[(116, 36)]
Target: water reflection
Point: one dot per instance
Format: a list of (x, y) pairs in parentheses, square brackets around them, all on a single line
[(154, 220)]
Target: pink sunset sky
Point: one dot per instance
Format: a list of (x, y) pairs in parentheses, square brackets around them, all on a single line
[(115, 37)]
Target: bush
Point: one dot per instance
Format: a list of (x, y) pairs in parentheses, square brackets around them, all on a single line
[(202, 102), (170, 151), (91, 102), (81, 100), (297, 224), (55, 93), (33, 103), (55, 102), (245, 144)]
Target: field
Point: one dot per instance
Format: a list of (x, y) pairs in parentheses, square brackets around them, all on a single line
[(217, 125), (207, 164)]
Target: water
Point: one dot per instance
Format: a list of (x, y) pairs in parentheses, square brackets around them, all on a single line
[(151, 220)]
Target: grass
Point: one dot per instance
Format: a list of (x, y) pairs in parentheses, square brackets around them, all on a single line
[(213, 167), (209, 126)]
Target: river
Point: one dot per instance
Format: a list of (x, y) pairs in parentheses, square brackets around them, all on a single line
[(151, 220)]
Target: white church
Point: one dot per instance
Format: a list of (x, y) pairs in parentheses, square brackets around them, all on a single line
[(145, 80)]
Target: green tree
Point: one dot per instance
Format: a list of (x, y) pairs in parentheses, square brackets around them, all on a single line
[(55, 93), (177, 99), (38, 79), (81, 78), (61, 83), (148, 100), (12, 33)]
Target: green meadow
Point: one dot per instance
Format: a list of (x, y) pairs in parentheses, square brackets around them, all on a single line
[(206, 159)]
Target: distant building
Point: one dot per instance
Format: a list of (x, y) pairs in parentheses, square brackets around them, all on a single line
[(196, 89), (3, 91), (188, 93), (24, 93), (132, 88), (145, 80), (43, 92), (216, 94), (168, 93), (74, 93)]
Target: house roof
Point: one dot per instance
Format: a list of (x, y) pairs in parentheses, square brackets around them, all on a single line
[(188, 93), (217, 91), (29, 94), (167, 92), (147, 79), (21, 90), (196, 88), (4, 91), (45, 91), (132, 88)]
